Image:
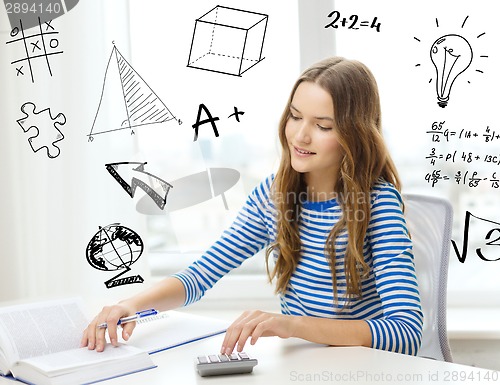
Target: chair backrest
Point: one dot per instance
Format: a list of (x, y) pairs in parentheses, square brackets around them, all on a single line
[(429, 221)]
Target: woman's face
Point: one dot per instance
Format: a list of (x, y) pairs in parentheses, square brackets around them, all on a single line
[(311, 133)]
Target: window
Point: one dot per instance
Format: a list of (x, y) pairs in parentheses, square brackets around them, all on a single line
[(249, 146), (409, 109), (398, 55)]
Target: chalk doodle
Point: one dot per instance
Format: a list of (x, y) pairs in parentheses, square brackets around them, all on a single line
[(113, 248), (127, 100), (38, 46), (228, 41), (451, 55), (42, 128), (491, 232), (147, 183)]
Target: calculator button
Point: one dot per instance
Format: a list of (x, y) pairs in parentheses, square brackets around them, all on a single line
[(244, 356), (202, 360), (223, 358), (213, 358)]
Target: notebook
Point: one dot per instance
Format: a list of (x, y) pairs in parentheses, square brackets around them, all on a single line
[(175, 328)]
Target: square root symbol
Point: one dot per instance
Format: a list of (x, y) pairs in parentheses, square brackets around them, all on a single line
[(228, 40)]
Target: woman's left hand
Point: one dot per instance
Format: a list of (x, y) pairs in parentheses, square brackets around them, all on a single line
[(256, 324)]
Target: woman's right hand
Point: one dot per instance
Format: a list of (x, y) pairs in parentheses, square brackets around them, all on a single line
[(94, 337)]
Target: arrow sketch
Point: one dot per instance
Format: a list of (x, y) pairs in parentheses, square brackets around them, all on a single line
[(159, 198), (194, 189)]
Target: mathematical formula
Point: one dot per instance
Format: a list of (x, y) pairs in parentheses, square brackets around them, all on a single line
[(465, 177), (489, 228), (467, 157), (351, 22), (439, 134), (461, 177)]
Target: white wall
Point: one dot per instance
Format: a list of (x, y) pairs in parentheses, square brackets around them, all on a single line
[(51, 208)]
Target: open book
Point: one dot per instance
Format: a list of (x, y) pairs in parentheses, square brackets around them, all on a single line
[(39, 343)]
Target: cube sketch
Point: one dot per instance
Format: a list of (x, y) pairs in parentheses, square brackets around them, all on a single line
[(228, 40)]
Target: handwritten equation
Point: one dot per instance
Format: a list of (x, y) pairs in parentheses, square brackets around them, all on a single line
[(439, 134), (467, 157), (468, 178), (464, 176), (352, 22)]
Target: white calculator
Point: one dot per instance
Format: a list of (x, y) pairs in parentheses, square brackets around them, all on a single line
[(219, 364)]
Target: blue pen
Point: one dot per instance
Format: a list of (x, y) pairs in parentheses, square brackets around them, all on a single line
[(132, 318)]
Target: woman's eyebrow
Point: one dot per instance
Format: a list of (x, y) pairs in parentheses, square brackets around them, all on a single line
[(292, 107)]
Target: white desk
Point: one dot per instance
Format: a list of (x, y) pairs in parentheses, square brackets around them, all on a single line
[(295, 361)]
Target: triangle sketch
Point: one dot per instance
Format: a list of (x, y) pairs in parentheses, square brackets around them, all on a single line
[(139, 104)]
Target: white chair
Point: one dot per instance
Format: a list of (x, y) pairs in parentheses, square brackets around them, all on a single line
[(429, 221)]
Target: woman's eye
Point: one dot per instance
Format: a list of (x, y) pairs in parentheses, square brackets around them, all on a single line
[(324, 128), (293, 117)]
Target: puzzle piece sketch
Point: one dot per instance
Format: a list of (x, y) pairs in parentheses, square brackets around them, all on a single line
[(42, 127)]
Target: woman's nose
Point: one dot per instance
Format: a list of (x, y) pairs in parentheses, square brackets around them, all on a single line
[(303, 134)]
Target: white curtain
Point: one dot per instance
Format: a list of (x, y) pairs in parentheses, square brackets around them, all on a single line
[(51, 208)]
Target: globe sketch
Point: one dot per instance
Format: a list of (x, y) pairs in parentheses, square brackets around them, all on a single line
[(114, 247)]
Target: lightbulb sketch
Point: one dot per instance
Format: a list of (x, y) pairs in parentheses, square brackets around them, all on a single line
[(127, 100), (451, 55)]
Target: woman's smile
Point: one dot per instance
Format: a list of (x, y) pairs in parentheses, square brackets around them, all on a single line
[(302, 152)]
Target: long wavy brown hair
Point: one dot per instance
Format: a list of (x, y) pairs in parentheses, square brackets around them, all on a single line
[(357, 118)]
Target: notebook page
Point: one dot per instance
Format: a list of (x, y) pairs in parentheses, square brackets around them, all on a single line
[(175, 329)]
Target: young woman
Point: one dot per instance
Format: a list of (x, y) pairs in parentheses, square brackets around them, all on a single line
[(332, 223)]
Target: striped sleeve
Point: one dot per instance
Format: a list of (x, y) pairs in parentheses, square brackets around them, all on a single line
[(400, 327), (247, 235)]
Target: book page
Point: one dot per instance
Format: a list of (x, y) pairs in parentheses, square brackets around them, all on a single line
[(82, 366), (70, 360), (42, 328), (7, 353)]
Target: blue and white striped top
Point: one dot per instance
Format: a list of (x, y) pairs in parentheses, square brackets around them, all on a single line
[(390, 301)]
